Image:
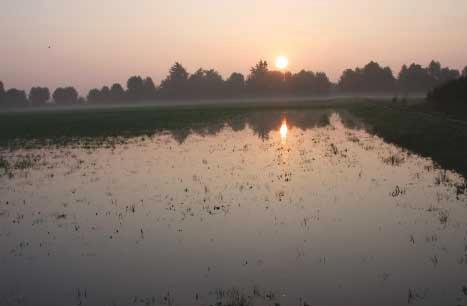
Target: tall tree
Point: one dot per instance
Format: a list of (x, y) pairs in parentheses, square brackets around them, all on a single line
[(105, 95), (214, 82), (38, 96), (117, 93), (94, 96), (235, 84), (351, 81), (205, 83), (257, 81), (414, 79), (307, 82), (434, 70), (149, 89), (16, 98), (135, 87), (371, 79), (322, 83), (464, 72), (2, 94), (65, 96), (451, 96), (176, 83)]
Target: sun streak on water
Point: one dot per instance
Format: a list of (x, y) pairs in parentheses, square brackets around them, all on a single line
[(284, 130)]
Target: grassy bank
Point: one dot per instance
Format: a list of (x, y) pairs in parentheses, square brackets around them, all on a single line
[(421, 130)]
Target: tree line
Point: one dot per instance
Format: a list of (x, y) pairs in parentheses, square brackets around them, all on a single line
[(261, 81)]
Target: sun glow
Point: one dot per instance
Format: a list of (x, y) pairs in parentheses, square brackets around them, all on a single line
[(284, 130), (282, 62)]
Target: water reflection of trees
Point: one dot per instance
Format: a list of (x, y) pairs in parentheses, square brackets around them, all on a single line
[(262, 123)]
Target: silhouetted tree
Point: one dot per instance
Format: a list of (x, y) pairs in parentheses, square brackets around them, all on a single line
[(214, 82), (350, 81), (16, 98), (322, 83), (235, 84), (2, 94), (257, 81), (176, 83), (371, 79), (441, 75), (149, 89), (277, 82), (135, 87), (38, 96), (464, 72), (378, 79), (94, 96), (415, 78), (105, 95), (451, 96), (303, 82), (205, 83), (196, 83), (434, 70), (64, 96), (117, 93), (307, 82)]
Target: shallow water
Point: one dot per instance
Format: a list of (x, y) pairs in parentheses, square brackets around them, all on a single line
[(322, 213)]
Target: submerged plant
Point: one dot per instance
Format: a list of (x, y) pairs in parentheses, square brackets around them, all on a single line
[(394, 160), (4, 165)]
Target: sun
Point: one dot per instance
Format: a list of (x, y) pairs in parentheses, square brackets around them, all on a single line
[(282, 62)]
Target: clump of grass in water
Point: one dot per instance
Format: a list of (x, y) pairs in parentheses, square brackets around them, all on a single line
[(334, 149), (23, 164), (443, 217), (394, 160), (324, 121), (461, 189), (5, 168), (232, 297), (4, 165), (236, 297), (442, 178)]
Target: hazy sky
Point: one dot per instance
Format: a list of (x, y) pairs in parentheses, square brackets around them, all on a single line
[(97, 42)]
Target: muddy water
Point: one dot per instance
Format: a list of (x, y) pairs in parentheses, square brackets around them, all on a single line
[(322, 215)]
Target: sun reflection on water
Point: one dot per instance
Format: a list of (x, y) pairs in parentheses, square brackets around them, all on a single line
[(284, 130)]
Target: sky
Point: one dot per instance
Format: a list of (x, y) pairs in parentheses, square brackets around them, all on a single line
[(99, 42)]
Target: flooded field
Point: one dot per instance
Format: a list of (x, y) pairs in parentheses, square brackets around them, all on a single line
[(290, 208)]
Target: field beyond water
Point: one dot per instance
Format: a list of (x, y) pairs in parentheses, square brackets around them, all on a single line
[(331, 202)]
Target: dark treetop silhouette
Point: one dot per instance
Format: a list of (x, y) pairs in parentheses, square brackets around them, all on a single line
[(261, 81)]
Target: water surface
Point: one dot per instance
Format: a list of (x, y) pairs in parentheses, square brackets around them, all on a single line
[(295, 208)]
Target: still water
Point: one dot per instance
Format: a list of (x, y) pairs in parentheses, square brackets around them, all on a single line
[(296, 209)]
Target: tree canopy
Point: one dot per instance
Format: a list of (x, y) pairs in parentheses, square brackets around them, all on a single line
[(38, 96), (16, 98), (370, 79), (2, 94), (176, 83), (65, 95), (209, 83), (415, 78), (450, 95)]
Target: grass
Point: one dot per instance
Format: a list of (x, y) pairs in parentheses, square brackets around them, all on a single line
[(426, 133), (415, 125)]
